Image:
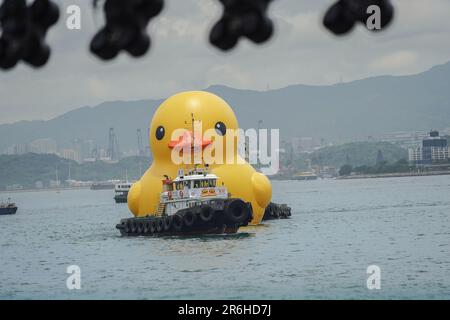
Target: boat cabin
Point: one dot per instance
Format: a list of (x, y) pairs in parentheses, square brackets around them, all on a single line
[(198, 186), (123, 186)]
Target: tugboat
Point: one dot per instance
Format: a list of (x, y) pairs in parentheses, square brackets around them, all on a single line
[(121, 192), (191, 204), (8, 208)]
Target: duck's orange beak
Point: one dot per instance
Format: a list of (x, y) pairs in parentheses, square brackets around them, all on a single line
[(188, 140)]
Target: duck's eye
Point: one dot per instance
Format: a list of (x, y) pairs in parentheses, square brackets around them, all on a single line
[(160, 131), (221, 128)]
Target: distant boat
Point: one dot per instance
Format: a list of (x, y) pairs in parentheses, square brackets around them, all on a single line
[(103, 185), (8, 208), (121, 192), (305, 175)]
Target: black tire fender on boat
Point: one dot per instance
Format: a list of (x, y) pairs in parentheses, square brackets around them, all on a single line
[(140, 227), (206, 213), (153, 226), (147, 227), (127, 226), (134, 226), (237, 211), (177, 222), (276, 213), (167, 223), (159, 224), (189, 218), (249, 214)]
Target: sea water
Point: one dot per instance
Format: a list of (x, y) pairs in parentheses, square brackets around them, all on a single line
[(338, 229)]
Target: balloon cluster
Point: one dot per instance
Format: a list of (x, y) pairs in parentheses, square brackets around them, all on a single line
[(342, 15), (23, 27), (242, 18), (125, 28), (23, 30)]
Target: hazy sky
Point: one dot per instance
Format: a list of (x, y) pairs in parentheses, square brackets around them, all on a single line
[(181, 58)]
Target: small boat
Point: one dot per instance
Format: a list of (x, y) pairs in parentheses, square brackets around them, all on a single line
[(121, 192), (8, 208), (103, 185), (305, 175), (191, 204)]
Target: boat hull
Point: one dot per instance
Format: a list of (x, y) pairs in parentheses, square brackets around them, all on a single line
[(102, 186), (8, 210), (121, 198), (277, 211), (305, 178), (225, 217)]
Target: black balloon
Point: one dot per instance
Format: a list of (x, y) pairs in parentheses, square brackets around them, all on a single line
[(125, 28), (342, 15), (242, 18), (24, 29)]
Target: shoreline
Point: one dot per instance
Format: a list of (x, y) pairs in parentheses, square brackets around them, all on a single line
[(372, 176), (394, 175), (43, 189), (359, 176)]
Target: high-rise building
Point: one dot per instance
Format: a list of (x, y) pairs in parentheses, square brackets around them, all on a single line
[(70, 154), (43, 146), (17, 149), (83, 149)]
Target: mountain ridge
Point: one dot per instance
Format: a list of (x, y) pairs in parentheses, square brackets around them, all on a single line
[(342, 111)]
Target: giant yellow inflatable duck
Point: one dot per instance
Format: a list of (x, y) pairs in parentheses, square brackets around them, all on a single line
[(175, 115)]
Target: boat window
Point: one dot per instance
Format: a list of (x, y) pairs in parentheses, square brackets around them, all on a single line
[(179, 185)]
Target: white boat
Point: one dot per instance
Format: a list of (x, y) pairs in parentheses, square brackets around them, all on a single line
[(121, 191)]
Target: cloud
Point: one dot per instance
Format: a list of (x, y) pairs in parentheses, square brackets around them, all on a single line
[(401, 60)]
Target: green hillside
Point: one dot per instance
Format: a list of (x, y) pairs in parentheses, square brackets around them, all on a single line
[(29, 168), (355, 153)]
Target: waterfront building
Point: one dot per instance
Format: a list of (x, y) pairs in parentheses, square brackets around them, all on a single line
[(434, 149)]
